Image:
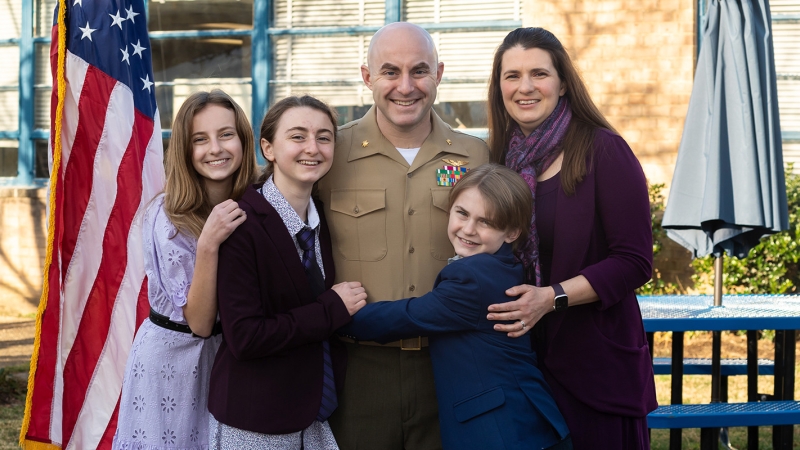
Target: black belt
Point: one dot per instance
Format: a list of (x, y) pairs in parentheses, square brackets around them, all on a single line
[(164, 322)]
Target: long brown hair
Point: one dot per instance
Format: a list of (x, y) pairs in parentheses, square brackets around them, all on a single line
[(186, 200), (269, 126), (508, 199), (586, 117)]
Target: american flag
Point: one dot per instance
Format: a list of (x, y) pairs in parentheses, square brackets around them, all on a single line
[(106, 155)]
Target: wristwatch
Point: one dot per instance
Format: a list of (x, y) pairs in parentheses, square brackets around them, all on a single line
[(561, 302)]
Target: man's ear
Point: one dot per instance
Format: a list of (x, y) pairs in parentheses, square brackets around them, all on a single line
[(365, 75), (266, 150), (439, 72), (512, 236)]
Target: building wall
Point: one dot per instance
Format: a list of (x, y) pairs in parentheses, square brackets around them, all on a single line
[(637, 59), (22, 249)]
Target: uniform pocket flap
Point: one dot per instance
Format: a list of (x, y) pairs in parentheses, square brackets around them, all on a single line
[(441, 198), (479, 404), (357, 202)]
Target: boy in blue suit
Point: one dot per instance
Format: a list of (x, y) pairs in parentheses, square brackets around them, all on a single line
[(491, 394)]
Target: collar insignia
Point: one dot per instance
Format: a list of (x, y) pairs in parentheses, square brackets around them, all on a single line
[(364, 143)]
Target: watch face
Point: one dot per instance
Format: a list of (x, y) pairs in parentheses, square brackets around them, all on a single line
[(561, 302)]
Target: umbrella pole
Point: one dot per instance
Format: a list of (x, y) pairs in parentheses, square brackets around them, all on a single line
[(718, 279), (716, 346)]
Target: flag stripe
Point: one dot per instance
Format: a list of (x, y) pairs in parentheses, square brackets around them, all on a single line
[(96, 318), (78, 180), (107, 379), (83, 268)]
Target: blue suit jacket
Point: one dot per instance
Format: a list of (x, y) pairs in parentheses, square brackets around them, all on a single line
[(491, 393)]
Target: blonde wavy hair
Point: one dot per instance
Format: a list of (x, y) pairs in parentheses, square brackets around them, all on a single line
[(186, 200)]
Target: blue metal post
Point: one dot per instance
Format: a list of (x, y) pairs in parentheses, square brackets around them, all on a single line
[(394, 11), (261, 64), (27, 156)]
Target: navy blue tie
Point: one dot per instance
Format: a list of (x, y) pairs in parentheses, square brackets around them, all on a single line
[(305, 239)]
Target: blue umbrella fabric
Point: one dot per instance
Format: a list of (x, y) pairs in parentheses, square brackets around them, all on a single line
[(728, 189)]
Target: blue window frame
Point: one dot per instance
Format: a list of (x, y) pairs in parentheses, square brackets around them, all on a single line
[(32, 141)]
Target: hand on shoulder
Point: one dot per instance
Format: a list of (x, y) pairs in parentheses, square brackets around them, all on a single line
[(224, 218)]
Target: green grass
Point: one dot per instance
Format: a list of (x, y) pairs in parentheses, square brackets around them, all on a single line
[(12, 405)]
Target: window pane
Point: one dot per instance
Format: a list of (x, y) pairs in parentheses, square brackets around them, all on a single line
[(8, 159), (324, 66), (43, 15), (200, 64), (462, 115), (328, 13), (9, 109), (171, 15), (441, 11), (42, 168), (11, 20)]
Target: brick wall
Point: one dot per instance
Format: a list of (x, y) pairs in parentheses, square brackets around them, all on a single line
[(23, 235)]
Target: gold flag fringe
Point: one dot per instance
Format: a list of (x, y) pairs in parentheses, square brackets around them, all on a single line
[(54, 175)]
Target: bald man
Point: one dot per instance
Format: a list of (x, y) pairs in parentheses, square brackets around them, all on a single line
[(387, 212)]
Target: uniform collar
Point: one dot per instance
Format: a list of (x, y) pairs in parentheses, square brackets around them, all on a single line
[(441, 140)]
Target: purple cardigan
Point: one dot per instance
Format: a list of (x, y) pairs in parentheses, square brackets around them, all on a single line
[(267, 376), (598, 352)]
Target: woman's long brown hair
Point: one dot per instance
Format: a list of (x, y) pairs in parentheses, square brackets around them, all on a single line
[(586, 117)]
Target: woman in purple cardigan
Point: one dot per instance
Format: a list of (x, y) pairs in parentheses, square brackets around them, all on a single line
[(590, 242)]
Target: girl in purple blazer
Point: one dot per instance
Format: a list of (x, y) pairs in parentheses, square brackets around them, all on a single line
[(590, 243), (275, 378)]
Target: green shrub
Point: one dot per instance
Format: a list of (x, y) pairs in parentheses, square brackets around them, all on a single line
[(771, 267), (657, 286)]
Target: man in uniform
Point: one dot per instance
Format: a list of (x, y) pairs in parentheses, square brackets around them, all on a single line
[(386, 202)]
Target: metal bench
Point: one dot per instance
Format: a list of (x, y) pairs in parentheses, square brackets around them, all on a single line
[(718, 415), (702, 366)]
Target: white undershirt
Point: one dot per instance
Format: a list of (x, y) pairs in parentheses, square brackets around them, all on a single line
[(409, 154)]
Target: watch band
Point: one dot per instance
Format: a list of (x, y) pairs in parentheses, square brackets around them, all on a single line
[(561, 300)]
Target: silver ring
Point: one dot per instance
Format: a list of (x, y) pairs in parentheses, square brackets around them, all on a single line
[(523, 324)]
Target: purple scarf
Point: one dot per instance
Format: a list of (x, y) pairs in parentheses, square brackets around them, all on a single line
[(529, 157)]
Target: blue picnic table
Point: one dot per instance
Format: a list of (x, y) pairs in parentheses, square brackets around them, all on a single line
[(680, 313)]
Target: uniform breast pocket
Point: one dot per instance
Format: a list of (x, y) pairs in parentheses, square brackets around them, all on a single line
[(358, 223), (441, 248)]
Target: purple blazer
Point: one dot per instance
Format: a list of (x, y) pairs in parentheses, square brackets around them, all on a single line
[(267, 376), (598, 352)]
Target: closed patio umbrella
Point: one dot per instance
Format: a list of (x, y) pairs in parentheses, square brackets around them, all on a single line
[(728, 189)]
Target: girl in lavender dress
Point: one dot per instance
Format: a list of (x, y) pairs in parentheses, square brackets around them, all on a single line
[(210, 160)]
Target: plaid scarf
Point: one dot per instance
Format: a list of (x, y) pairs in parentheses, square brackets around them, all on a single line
[(529, 157)]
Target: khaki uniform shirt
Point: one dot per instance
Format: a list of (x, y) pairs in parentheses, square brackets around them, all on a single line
[(388, 220)]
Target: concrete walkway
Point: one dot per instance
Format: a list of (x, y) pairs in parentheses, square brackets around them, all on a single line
[(16, 340)]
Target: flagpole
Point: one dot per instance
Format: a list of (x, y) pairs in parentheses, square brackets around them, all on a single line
[(55, 171)]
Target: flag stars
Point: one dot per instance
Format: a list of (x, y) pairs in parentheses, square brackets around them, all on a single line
[(78, 2), (138, 49), (147, 82), (117, 20), (87, 32), (130, 14), (125, 56)]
